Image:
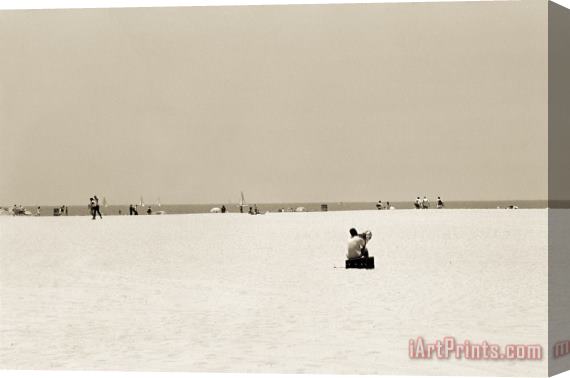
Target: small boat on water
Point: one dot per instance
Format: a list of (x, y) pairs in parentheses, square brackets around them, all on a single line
[(242, 204)]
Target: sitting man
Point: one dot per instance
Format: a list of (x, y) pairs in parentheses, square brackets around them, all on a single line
[(357, 244)]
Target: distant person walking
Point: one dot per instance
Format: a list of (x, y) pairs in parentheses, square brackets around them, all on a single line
[(38, 211), (96, 208)]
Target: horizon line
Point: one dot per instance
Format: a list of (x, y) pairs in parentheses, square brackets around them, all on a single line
[(294, 202)]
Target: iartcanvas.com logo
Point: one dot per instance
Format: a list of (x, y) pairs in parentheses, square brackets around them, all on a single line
[(448, 347)]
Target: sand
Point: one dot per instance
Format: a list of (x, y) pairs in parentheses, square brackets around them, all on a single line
[(240, 293)]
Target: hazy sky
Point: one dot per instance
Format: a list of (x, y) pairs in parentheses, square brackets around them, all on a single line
[(287, 103)]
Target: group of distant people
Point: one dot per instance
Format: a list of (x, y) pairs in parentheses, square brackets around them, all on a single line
[(19, 210), (134, 210), (253, 210), (424, 203), (418, 204), (380, 206), (62, 210)]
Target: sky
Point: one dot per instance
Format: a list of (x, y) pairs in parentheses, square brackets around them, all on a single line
[(286, 103)]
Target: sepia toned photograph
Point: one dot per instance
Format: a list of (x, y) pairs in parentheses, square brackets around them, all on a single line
[(323, 189)]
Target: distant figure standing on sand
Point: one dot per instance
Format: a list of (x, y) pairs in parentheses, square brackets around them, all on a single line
[(38, 212), (223, 209), (440, 204), (149, 211), (425, 203), (96, 208), (379, 205), (418, 203), (250, 212), (131, 209)]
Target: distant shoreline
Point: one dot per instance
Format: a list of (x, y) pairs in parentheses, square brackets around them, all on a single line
[(74, 210)]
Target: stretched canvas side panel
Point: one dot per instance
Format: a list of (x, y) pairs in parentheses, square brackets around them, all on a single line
[(559, 188)]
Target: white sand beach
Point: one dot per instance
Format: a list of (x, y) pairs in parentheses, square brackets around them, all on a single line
[(240, 293)]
